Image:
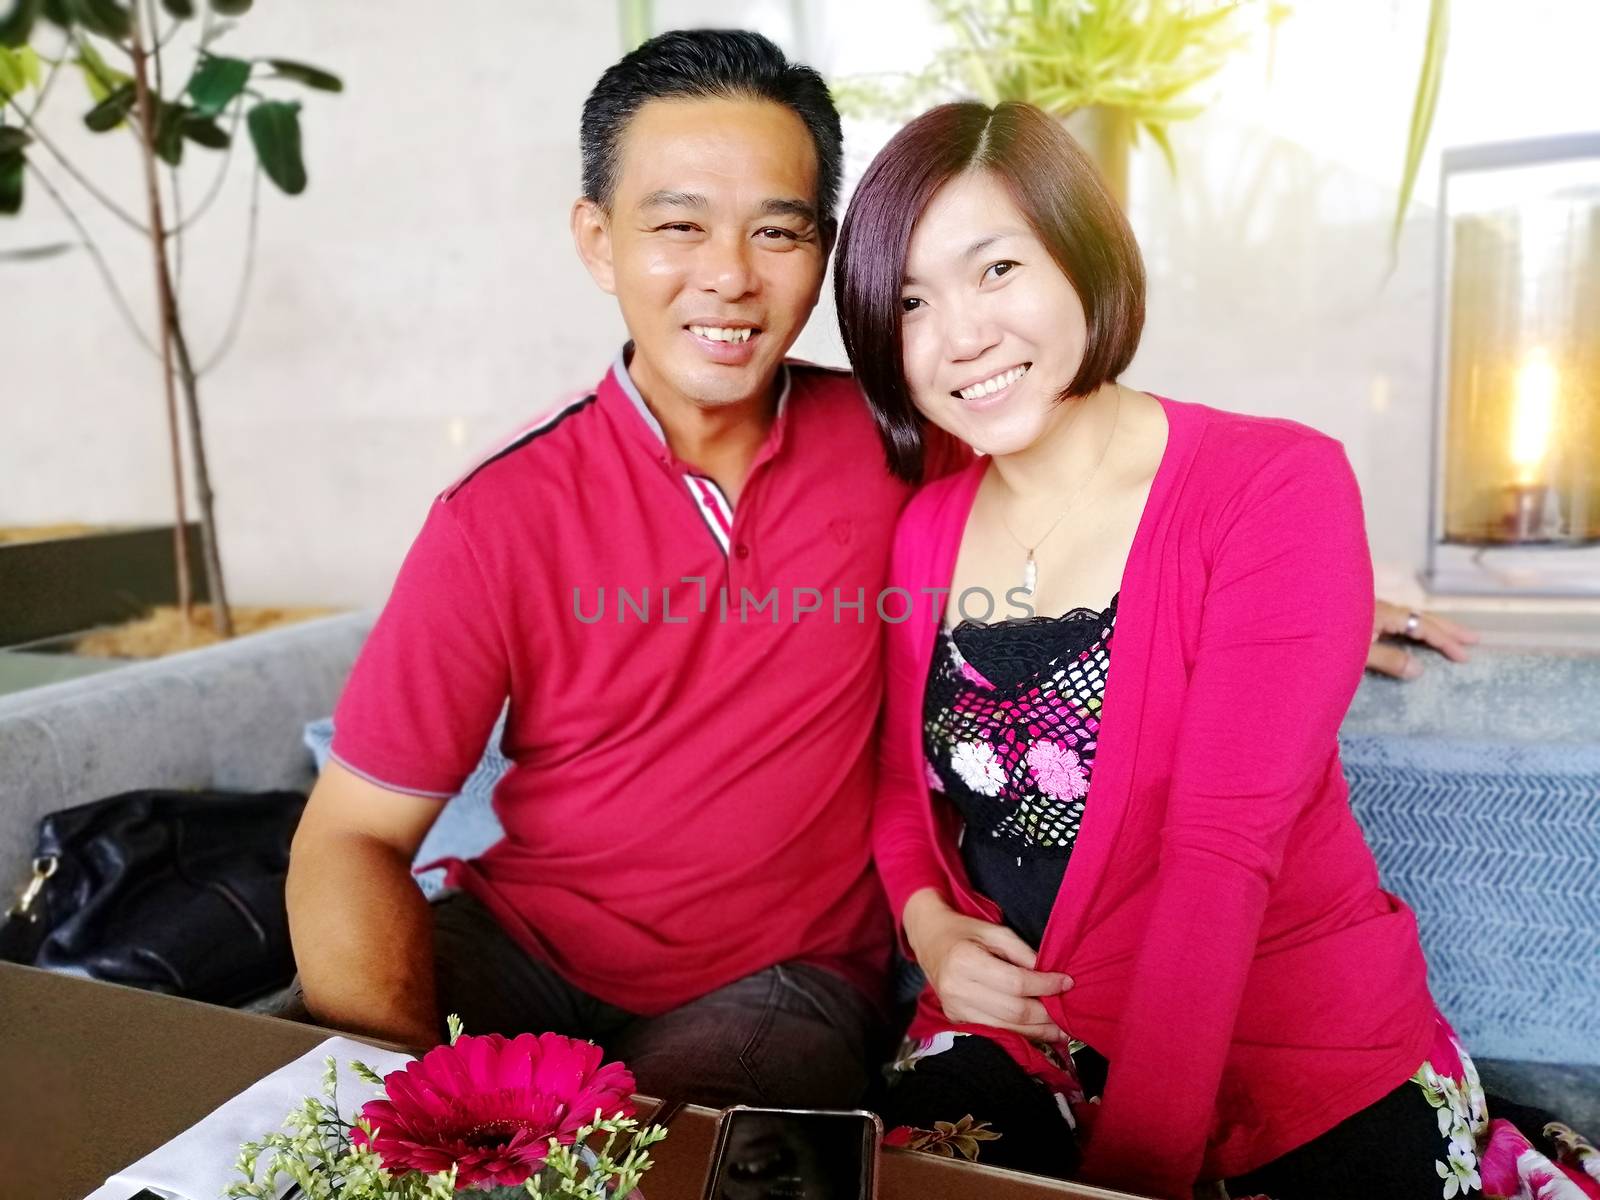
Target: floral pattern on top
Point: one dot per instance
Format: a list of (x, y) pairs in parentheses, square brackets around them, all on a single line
[(1011, 723)]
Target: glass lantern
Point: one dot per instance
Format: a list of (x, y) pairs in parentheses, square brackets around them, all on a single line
[(1516, 501)]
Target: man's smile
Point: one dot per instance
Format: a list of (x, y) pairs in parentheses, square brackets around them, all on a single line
[(730, 343)]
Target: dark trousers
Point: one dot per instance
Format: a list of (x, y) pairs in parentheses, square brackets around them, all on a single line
[(1387, 1151), (791, 1036)]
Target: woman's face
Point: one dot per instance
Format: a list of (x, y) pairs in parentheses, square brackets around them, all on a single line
[(992, 330)]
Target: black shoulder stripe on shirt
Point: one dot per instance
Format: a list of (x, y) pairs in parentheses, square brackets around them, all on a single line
[(517, 443)]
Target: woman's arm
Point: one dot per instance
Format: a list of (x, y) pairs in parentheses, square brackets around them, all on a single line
[(1288, 616), (982, 972), (902, 841)]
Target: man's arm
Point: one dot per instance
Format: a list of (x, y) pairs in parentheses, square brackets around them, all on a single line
[(363, 939)]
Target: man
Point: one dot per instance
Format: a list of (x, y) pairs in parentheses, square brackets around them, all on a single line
[(674, 581)]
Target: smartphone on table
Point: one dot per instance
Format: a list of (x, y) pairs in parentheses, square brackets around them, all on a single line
[(795, 1154)]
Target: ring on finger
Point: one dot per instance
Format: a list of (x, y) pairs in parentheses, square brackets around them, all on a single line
[(1413, 623)]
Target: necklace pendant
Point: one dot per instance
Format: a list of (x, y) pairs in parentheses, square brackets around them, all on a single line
[(1030, 574)]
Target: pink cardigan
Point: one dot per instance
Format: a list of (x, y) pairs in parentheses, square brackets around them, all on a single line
[(1233, 955)]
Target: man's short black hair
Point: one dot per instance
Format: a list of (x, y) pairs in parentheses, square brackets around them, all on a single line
[(706, 63)]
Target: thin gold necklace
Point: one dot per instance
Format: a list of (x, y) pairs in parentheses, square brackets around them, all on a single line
[(1030, 566)]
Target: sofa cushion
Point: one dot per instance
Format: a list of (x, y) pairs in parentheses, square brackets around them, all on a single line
[(1496, 845), (226, 717)]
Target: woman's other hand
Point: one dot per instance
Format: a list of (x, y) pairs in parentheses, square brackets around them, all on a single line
[(1392, 621), (982, 973)]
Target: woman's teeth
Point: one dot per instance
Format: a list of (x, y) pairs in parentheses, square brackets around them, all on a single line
[(719, 333), (990, 386)]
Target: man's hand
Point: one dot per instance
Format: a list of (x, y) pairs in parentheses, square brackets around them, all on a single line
[(982, 973), (1392, 621)]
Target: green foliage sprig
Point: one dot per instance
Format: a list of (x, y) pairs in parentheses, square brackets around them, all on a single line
[(1140, 56)]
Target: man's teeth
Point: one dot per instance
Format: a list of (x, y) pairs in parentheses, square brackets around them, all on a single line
[(990, 386), (719, 333)]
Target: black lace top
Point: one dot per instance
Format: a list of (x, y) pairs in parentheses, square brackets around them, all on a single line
[(1011, 721)]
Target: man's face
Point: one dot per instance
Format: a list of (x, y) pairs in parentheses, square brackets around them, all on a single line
[(713, 246)]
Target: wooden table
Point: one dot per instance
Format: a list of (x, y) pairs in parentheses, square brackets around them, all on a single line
[(94, 1076)]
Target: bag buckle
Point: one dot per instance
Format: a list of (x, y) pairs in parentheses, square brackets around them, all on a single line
[(43, 868)]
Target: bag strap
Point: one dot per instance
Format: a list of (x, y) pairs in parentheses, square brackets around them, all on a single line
[(43, 868)]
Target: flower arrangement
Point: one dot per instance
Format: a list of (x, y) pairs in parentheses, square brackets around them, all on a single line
[(485, 1117)]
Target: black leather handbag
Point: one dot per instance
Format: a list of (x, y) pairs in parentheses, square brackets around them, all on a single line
[(175, 892)]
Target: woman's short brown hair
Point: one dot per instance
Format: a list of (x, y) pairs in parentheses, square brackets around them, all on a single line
[(1058, 190)]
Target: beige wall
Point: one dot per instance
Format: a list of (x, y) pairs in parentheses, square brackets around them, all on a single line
[(422, 297)]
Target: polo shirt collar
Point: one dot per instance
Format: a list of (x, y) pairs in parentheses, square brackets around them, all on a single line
[(630, 391)]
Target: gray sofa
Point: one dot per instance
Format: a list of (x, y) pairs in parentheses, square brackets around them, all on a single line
[(228, 717), (1478, 787)]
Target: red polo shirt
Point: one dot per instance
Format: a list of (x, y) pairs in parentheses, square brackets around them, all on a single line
[(693, 765)]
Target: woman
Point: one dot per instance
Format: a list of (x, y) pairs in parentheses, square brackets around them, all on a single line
[(1115, 832)]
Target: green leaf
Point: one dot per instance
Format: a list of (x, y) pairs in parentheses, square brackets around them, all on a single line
[(112, 111), (312, 77), (275, 132), (12, 77), (1422, 110), (182, 9), (216, 81), (19, 70), (169, 134), (12, 167), (100, 77), (12, 139), (1158, 134), (33, 253), (205, 132), (108, 18), (230, 8), (16, 25)]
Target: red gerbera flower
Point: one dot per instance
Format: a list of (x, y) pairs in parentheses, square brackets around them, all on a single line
[(489, 1105)]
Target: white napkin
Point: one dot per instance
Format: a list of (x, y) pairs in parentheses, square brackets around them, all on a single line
[(198, 1164)]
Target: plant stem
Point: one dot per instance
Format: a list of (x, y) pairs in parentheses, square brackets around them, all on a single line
[(216, 586), (145, 135), (246, 275), (99, 259), (122, 214), (50, 80), (181, 227), (202, 477), (1106, 133), (172, 171)]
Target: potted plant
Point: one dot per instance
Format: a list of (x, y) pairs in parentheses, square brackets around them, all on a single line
[(1111, 69), (124, 51)]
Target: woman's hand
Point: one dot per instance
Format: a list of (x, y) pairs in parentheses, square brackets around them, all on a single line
[(982, 973), (1392, 621)]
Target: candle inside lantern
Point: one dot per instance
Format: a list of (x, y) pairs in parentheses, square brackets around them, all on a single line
[(1533, 414), (1533, 510)]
